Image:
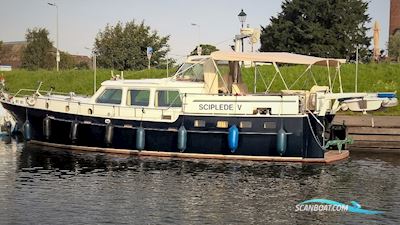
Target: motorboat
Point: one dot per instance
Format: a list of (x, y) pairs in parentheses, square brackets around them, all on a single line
[(204, 110)]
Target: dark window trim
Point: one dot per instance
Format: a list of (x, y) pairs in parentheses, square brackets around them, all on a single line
[(102, 93), (128, 103), (156, 98)]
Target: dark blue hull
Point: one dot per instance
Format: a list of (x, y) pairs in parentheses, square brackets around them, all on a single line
[(259, 140)]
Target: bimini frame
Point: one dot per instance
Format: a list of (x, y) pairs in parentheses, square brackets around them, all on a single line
[(276, 58)]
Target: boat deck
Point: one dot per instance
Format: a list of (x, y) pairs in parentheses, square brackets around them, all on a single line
[(330, 156)]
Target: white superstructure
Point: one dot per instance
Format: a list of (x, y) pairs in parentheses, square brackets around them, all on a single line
[(200, 87)]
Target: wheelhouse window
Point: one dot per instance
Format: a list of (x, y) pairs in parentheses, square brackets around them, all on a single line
[(110, 96), (192, 72), (138, 97), (168, 99)]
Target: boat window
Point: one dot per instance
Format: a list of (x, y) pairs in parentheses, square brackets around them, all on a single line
[(270, 125), (199, 123), (138, 97), (168, 99), (245, 124), (222, 124), (110, 96), (190, 71)]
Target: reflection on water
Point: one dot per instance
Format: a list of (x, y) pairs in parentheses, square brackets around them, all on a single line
[(51, 186)]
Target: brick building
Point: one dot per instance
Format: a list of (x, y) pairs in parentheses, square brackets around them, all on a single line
[(394, 24), (11, 54)]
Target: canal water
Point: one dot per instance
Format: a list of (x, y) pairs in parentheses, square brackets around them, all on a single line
[(52, 186)]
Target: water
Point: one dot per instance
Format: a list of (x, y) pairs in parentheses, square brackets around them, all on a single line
[(51, 186)]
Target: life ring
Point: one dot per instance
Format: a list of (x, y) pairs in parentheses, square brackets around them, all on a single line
[(31, 100)]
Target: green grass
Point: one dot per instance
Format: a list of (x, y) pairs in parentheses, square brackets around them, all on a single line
[(371, 78), (78, 81)]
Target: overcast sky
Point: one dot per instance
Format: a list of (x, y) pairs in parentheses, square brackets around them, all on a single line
[(81, 20)]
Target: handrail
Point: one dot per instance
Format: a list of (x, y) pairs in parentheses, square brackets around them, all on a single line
[(23, 89), (116, 109), (42, 92)]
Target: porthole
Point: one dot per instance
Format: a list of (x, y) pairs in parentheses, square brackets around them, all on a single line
[(90, 111), (222, 124), (270, 125), (67, 108), (47, 105), (199, 123), (245, 124)]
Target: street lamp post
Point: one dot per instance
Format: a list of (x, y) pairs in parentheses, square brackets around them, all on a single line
[(95, 70), (360, 27), (356, 81), (167, 66), (166, 57), (242, 18), (198, 38), (94, 53), (58, 53)]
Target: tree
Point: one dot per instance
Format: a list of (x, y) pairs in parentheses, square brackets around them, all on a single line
[(123, 46), (82, 65), (326, 28), (394, 46), (205, 49), (67, 61), (38, 52)]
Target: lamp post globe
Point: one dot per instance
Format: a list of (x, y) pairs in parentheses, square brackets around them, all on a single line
[(242, 17)]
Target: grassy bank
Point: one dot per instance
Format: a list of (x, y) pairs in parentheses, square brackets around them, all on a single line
[(372, 78), (78, 81)]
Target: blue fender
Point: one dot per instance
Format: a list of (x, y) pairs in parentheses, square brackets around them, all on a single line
[(182, 138), (281, 141), (140, 138), (233, 138)]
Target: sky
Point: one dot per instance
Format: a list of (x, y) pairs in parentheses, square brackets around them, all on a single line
[(81, 20)]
